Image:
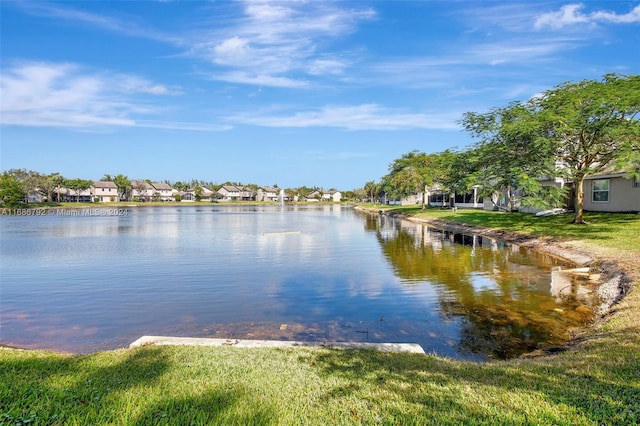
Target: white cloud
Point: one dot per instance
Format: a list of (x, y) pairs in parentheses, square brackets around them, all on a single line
[(258, 79), (277, 42), (326, 66), (39, 94), (571, 15), (58, 11), (358, 117)]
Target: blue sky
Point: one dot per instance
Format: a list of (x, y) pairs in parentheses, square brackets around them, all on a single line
[(316, 93)]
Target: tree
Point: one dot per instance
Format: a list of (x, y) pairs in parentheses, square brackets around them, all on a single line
[(413, 173), (124, 186), (180, 186), (454, 171), (78, 185), (592, 127), (29, 181), (371, 189), (571, 131), (11, 194), (198, 192), (46, 184), (510, 155), (57, 180), (141, 187)]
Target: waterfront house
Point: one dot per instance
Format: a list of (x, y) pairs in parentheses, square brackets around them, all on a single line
[(267, 193), (141, 190), (190, 194), (611, 192), (72, 195), (163, 191), (104, 191), (247, 194), (314, 196), (229, 193), (332, 195)]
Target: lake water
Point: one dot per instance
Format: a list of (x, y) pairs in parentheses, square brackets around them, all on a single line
[(88, 280)]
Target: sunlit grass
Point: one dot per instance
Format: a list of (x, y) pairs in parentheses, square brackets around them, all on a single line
[(597, 382), (199, 385)]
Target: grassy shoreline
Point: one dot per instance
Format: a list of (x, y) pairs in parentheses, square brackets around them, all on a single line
[(596, 382)]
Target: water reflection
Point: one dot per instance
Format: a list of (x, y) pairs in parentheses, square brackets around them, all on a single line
[(507, 300)]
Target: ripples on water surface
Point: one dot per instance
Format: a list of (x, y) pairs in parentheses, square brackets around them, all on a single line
[(86, 283)]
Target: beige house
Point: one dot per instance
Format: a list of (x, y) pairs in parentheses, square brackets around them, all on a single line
[(267, 193), (236, 193), (163, 191), (611, 192), (104, 191), (230, 193), (314, 196), (142, 190), (190, 195)]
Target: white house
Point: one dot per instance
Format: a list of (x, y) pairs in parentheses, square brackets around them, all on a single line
[(332, 195), (104, 191)]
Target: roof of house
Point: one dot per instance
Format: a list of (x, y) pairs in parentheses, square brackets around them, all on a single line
[(609, 171), (159, 186), (205, 190), (136, 184), (104, 184), (230, 188)]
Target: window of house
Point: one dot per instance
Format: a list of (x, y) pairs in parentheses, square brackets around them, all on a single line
[(601, 191), (636, 183)]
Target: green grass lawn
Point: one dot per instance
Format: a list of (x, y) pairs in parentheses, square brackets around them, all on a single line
[(596, 382), (618, 231)]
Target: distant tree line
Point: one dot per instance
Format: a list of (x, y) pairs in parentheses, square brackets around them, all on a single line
[(20, 187)]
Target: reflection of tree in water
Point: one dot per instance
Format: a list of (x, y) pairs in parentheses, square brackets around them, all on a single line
[(500, 294)]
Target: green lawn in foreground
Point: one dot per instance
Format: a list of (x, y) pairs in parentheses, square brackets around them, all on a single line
[(598, 382)]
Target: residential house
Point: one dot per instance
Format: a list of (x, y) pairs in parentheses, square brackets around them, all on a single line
[(332, 196), (611, 192), (247, 194), (236, 193), (142, 190), (439, 198), (608, 191), (190, 195), (163, 191), (267, 193), (230, 193), (104, 191), (71, 195), (314, 196)]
